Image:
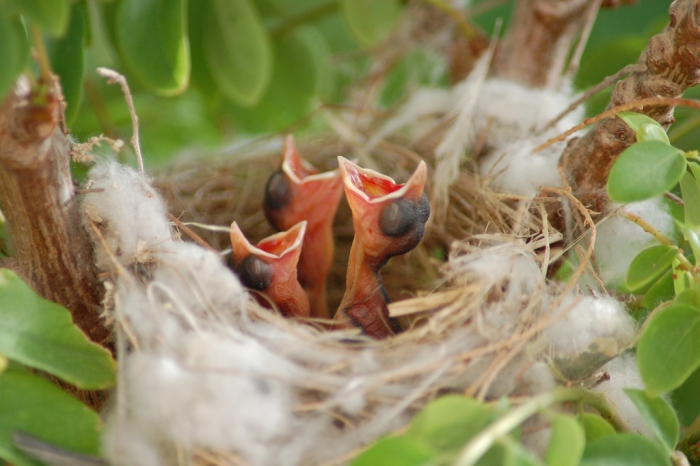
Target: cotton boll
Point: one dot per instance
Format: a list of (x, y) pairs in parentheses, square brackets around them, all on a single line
[(593, 331), (131, 216), (623, 374), (517, 169), (619, 240)]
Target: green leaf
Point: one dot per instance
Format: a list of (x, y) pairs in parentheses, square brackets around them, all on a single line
[(695, 168), (40, 334), (669, 349), (682, 280), (507, 451), (517, 455), (35, 406), (237, 50), (624, 450), (449, 422), (660, 291), (51, 15), (688, 297), (692, 237), (644, 170), (153, 43), (567, 442), (686, 400), (200, 76), (646, 128), (659, 415), (595, 426), (396, 451), (300, 75), (370, 20), (67, 60), (691, 200), (650, 265), (14, 51)]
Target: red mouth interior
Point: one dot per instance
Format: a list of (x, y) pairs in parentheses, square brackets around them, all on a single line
[(373, 186), (278, 244)]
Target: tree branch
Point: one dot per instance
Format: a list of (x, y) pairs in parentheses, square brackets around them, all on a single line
[(51, 247), (535, 50), (671, 65)]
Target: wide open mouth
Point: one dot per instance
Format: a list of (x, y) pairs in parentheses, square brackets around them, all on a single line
[(275, 246), (297, 169), (374, 187)]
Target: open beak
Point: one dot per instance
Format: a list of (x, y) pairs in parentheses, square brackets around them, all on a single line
[(389, 220), (297, 192), (271, 267)]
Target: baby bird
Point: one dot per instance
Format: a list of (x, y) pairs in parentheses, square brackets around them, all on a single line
[(389, 220), (296, 192), (271, 267)]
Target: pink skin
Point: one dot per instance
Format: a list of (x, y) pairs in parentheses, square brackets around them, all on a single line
[(281, 253), (314, 197), (369, 193)]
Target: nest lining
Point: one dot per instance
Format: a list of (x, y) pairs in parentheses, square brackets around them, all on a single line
[(185, 322), (209, 377)]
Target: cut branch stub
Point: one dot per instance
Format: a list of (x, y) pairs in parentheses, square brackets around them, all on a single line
[(37, 196), (672, 64)]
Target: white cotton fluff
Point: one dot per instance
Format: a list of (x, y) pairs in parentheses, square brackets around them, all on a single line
[(515, 168), (516, 112), (420, 111), (230, 409), (587, 319), (593, 330), (624, 373), (131, 214), (619, 240), (202, 369)]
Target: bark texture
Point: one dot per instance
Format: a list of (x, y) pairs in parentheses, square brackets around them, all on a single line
[(51, 247), (672, 64), (537, 46)]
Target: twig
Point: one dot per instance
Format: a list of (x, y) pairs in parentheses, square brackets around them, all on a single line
[(673, 198), (670, 67), (115, 78), (663, 239), (637, 104), (480, 444), (580, 270), (588, 23), (198, 239), (590, 93), (41, 55)]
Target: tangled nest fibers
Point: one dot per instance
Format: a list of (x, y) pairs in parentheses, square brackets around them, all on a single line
[(209, 377)]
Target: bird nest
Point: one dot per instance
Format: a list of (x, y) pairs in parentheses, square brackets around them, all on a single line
[(210, 376)]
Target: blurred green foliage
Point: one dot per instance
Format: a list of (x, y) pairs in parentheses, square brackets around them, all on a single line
[(203, 71)]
